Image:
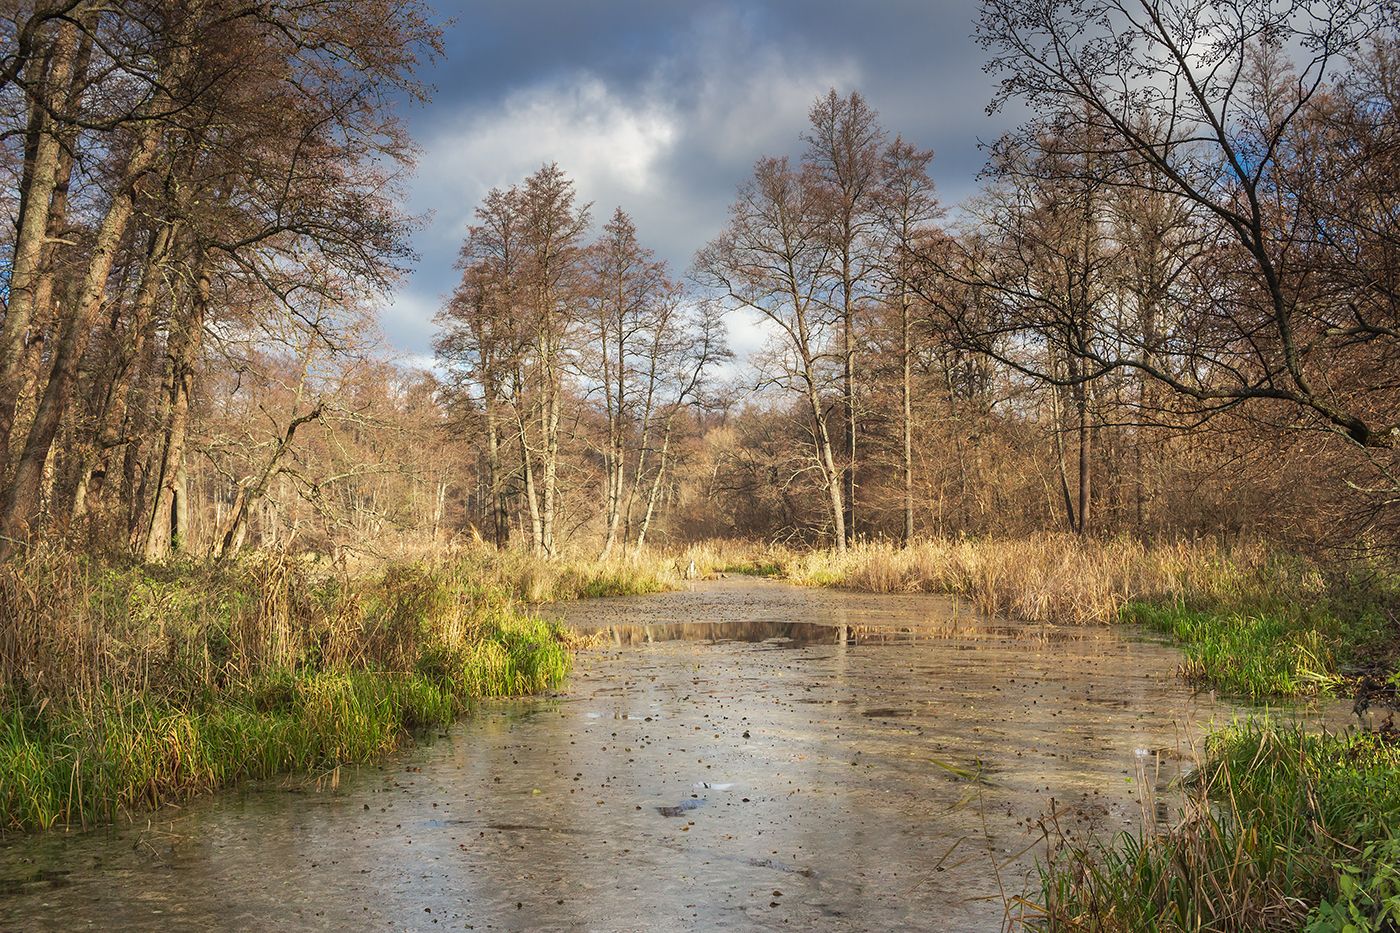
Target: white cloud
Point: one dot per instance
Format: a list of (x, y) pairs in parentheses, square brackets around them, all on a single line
[(605, 143), (657, 149), (407, 322), (744, 95)]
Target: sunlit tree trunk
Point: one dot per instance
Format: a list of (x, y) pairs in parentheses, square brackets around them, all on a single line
[(654, 493), (165, 529)]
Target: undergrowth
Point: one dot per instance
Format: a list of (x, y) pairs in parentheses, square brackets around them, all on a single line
[(1282, 829), (132, 686)]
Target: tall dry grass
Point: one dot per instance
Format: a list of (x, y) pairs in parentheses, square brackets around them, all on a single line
[(1042, 578), (71, 626), (532, 579)]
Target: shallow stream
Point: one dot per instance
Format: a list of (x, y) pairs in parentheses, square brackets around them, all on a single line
[(744, 755)]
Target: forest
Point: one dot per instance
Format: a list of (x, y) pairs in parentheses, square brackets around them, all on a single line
[(1149, 372), (1163, 315)]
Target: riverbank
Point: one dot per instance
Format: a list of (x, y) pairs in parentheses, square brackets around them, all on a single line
[(130, 686), (1280, 829)]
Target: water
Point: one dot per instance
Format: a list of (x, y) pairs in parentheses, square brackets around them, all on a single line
[(746, 755)]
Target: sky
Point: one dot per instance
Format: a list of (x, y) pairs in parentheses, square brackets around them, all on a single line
[(663, 107)]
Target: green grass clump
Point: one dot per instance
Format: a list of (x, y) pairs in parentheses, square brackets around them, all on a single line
[(756, 567), (84, 764), (510, 659), (1282, 830), (1282, 644), (619, 581), (1249, 654)]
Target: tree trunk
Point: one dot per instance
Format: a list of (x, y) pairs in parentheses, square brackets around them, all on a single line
[(826, 459), (184, 353), (42, 177), (643, 443), (1086, 435), (615, 456), (532, 501), (114, 383), (1071, 516), (550, 459), (22, 497), (654, 493), (500, 520), (849, 386), (907, 407)]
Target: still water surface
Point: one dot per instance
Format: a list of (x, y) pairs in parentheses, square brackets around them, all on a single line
[(744, 755)]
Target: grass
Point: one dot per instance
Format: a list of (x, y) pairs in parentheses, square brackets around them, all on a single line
[(126, 686), (1054, 578), (522, 576), (132, 686), (1282, 829), (1336, 639), (1256, 655)]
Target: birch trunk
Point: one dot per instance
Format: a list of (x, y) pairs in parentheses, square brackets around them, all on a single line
[(654, 493), (184, 353), (527, 472)]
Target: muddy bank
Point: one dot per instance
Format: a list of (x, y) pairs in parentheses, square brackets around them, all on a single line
[(743, 755)]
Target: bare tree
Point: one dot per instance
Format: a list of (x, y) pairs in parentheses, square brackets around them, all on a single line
[(773, 259), (843, 145), (907, 209), (1205, 103)]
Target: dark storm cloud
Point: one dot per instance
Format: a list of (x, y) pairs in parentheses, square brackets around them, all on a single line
[(662, 108)]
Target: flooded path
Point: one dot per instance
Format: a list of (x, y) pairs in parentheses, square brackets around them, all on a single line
[(746, 755)]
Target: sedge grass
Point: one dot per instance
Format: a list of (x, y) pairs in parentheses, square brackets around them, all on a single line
[(125, 687), (1281, 829), (1257, 655)]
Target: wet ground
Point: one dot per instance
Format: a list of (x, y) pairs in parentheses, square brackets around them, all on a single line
[(746, 755)]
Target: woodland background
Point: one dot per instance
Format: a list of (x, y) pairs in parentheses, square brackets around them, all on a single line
[(1171, 309)]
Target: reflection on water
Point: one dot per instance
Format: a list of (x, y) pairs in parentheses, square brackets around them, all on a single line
[(777, 634), (883, 770), (802, 634)]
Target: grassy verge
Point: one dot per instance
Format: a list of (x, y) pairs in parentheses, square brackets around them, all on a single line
[(1282, 830), (1339, 639), (1256, 655), (1041, 578), (125, 687)]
